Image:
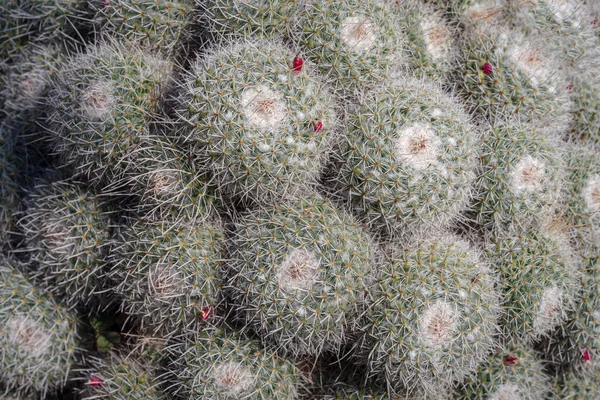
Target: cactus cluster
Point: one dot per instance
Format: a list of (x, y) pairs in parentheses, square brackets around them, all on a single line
[(299, 199)]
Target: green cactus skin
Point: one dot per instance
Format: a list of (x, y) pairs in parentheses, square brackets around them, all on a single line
[(299, 271), (121, 377), (102, 105), (433, 315), (582, 197), (67, 232), (510, 373), (157, 25), (585, 95), (539, 279), (170, 270), (504, 74), (409, 157), (262, 128), (579, 335), (582, 383), (38, 337), (38, 20), (430, 45), (10, 194), (355, 43), (520, 178), (220, 365), (248, 18)]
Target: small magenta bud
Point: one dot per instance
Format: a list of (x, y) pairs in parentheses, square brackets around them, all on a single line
[(297, 65), (205, 313), (511, 360), (318, 126), (586, 355), (95, 381), (487, 68)]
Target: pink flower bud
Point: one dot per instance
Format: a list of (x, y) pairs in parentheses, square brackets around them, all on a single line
[(95, 381), (487, 69), (297, 65), (586, 356), (317, 126), (205, 313), (510, 360)]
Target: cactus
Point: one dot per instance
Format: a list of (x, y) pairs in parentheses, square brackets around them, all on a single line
[(247, 18), (67, 231), (261, 126), (38, 337), (220, 364), (169, 270), (102, 105), (38, 20), (158, 25), (408, 159), (430, 45), (520, 177), (121, 377), (582, 383), (584, 89), (10, 196), (503, 73), (539, 277), (513, 372), (356, 43), (433, 315), (298, 271)]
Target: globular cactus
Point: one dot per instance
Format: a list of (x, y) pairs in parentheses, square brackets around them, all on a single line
[(581, 197), (584, 88), (504, 73), (299, 271), (510, 373), (101, 108), (520, 178), (38, 337), (121, 377), (220, 364), (156, 25), (169, 270), (578, 338), (355, 43), (408, 159), (433, 315), (67, 234), (10, 194), (260, 125), (538, 278), (430, 45), (22, 21), (582, 383), (247, 18)]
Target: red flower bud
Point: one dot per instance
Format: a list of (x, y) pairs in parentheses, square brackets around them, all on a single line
[(510, 360), (487, 68), (317, 126), (205, 313), (95, 381), (586, 355), (297, 65)]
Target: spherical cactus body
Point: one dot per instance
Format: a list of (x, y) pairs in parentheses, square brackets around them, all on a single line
[(121, 377), (356, 43), (261, 126), (539, 276), (433, 315), (503, 73), (247, 18), (584, 88), (220, 364), (582, 383), (520, 177), (38, 337), (10, 196), (102, 105), (409, 157), (513, 372), (299, 272), (169, 270), (67, 231), (157, 25)]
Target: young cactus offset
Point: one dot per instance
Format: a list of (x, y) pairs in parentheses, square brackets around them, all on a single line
[(356, 43), (67, 233), (520, 178), (299, 272), (170, 270), (38, 337), (221, 365), (539, 277), (156, 25), (504, 73), (261, 125), (101, 108), (408, 159), (581, 383), (433, 315), (510, 373)]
